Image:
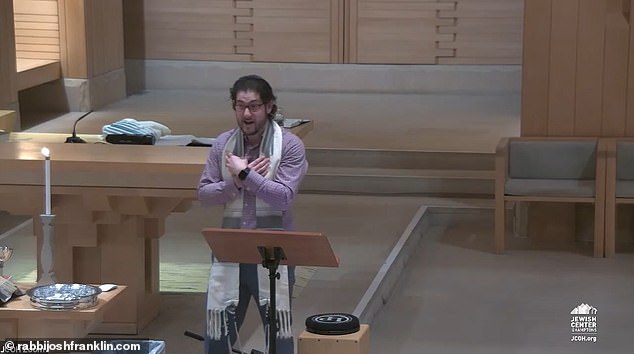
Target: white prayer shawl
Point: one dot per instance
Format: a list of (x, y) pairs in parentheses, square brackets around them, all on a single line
[(224, 277)]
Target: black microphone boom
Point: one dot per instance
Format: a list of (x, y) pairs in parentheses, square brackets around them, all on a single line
[(75, 138)]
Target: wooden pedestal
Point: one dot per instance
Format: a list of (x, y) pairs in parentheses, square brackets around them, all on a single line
[(355, 343), (110, 203)]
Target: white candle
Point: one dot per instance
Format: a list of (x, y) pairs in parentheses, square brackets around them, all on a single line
[(47, 180)]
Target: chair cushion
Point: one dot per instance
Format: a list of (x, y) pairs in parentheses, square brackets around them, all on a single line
[(625, 189), (625, 169), (549, 187), (566, 160), (625, 160)]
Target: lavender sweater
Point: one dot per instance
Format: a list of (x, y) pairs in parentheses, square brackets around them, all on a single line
[(279, 192)]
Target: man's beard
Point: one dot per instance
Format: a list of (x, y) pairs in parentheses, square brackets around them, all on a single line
[(252, 130)]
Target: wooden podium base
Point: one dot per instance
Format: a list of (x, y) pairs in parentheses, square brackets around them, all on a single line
[(354, 343)]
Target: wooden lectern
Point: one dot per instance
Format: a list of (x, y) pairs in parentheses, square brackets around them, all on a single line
[(271, 248)]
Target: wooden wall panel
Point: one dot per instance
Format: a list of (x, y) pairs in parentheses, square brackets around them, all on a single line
[(104, 34), (563, 60), (193, 29), (36, 29), (338, 31), (615, 70), (403, 32), (91, 37), (8, 83), (350, 26), (134, 29), (484, 32), (295, 31), (326, 31), (629, 124), (535, 67), (589, 75), (74, 53), (243, 30), (588, 68)]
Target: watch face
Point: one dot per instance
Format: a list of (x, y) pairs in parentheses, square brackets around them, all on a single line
[(243, 174)]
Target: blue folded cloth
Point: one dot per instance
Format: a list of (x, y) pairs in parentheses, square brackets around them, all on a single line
[(134, 127)]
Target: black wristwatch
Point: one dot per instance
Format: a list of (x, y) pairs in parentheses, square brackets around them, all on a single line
[(243, 174)]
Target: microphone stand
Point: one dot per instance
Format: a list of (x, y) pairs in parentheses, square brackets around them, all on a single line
[(74, 138)]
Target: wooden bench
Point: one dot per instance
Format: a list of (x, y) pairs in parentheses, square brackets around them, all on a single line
[(34, 72), (550, 169)]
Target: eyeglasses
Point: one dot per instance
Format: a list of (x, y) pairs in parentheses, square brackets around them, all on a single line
[(253, 107)]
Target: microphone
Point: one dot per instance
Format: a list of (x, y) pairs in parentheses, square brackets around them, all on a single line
[(194, 335), (75, 138)]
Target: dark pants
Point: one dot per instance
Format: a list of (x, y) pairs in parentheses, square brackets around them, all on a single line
[(249, 288)]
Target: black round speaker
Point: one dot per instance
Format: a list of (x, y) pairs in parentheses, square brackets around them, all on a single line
[(332, 324)]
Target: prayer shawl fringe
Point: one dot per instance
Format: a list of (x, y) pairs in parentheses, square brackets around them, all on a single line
[(224, 277)]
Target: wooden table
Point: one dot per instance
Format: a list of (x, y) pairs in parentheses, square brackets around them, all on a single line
[(301, 130), (18, 319), (110, 204), (53, 137)]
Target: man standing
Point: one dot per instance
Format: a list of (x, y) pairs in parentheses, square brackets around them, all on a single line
[(255, 171)]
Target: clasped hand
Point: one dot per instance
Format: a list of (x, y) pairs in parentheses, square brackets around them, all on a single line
[(235, 164)]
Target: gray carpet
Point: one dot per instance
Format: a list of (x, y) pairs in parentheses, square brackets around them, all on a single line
[(455, 298)]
